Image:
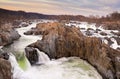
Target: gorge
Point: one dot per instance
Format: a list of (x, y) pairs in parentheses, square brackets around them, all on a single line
[(65, 44), (68, 67)]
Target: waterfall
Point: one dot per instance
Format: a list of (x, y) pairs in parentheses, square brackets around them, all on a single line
[(43, 58), (57, 69), (115, 44), (18, 73), (64, 68)]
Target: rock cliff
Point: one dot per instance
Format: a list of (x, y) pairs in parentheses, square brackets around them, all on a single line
[(63, 41)]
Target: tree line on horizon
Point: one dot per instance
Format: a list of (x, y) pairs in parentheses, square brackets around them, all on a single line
[(7, 16)]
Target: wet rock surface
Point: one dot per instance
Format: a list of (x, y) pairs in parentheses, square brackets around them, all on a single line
[(21, 23), (109, 41), (8, 34), (5, 66), (117, 39), (88, 33), (5, 69), (103, 33), (118, 33), (63, 41), (32, 55), (112, 25)]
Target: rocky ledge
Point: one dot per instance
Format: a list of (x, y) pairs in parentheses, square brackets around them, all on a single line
[(111, 25), (63, 41), (5, 66), (32, 55), (8, 34)]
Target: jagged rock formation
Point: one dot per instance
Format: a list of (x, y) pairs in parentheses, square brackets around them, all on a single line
[(21, 23), (5, 69), (109, 41), (118, 34), (5, 66), (7, 34), (63, 41), (31, 54), (111, 25)]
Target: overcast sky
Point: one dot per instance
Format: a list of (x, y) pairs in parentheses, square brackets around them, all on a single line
[(73, 7)]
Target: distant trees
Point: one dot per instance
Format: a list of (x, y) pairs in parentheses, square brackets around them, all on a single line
[(115, 16), (7, 16)]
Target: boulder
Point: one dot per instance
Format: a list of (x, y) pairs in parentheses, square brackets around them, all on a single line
[(8, 35), (103, 33), (16, 24), (4, 54), (28, 33), (117, 39), (82, 28), (40, 29), (24, 25), (118, 48), (5, 66), (90, 29), (109, 41), (60, 40), (116, 33), (32, 55), (14, 34), (5, 69), (88, 33), (111, 25), (97, 30)]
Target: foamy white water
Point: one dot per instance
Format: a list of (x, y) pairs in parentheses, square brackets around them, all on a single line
[(84, 26), (43, 58), (115, 44), (18, 73), (64, 68)]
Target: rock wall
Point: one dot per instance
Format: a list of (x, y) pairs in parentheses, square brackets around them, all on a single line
[(111, 25), (5, 66), (7, 34), (63, 41), (5, 69), (32, 55)]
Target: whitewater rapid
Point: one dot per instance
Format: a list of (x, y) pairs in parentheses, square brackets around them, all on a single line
[(84, 26), (63, 68)]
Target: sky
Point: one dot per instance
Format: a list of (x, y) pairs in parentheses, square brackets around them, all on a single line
[(59, 7)]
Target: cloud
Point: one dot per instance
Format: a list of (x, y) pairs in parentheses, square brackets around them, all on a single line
[(84, 7), (108, 2)]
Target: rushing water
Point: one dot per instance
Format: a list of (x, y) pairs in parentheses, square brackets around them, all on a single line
[(43, 58), (63, 68), (24, 40), (84, 26)]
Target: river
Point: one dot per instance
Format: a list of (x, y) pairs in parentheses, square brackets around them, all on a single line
[(63, 68)]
